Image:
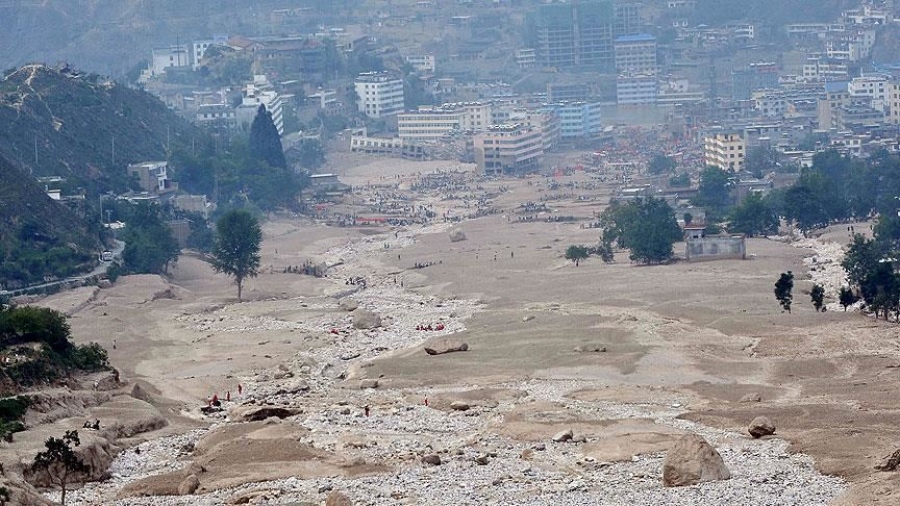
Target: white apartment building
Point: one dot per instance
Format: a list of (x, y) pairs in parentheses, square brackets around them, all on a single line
[(380, 94), (162, 58), (577, 120), (199, 48), (725, 150), (515, 149), (432, 123), (639, 89), (636, 54), (421, 62), (878, 87), (260, 92)]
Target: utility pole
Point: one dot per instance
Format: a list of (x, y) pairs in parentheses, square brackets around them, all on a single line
[(114, 150)]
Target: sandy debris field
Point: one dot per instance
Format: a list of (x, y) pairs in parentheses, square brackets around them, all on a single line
[(627, 357)]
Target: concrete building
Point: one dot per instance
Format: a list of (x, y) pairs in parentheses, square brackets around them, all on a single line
[(829, 107), (380, 94), (636, 54), (526, 58), (421, 62), (163, 58), (570, 91), (199, 47), (575, 34), (511, 149), (394, 146), (153, 177), (876, 87), (636, 89), (725, 150), (755, 77), (577, 120), (260, 92)]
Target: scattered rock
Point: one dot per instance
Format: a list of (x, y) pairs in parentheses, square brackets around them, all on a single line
[(348, 304), (260, 413), (350, 355), (442, 346), (459, 406), (693, 460), (368, 383), (189, 485), (337, 499), (579, 439), (457, 236), (365, 319), (482, 459), (432, 460), (195, 468), (591, 348), (539, 447), (761, 426), (563, 436), (890, 462), (528, 318), (751, 397)]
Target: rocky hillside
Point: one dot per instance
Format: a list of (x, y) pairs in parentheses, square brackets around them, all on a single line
[(38, 235), (61, 122)]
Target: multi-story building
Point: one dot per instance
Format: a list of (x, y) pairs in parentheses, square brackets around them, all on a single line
[(878, 87), (512, 149), (257, 93), (577, 120), (825, 68), (636, 54), (829, 107), (894, 105), (199, 48), (755, 77), (575, 34), (380, 94), (636, 89), (725, 150), (162, 58), (151, 176), (569, 91), (421, 62)]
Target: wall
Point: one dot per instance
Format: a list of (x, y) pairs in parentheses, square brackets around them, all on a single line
[(715, 248)]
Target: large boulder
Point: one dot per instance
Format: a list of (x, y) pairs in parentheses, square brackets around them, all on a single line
[(761, 426), (189, 485), (348, 304), (441, 346), (365, 319), (337, 499), (692, 460), (259, 413), (457, 236), (563, 436)]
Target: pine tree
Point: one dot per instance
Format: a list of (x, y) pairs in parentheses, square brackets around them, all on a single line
[(265, 142), (817, 294)]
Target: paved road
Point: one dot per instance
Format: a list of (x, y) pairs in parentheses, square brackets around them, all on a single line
[(100, 269)]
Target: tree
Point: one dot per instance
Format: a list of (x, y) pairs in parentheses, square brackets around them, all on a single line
[(311, 155), (576, 253), (236, 251), (817, 294), (646, 228), (846, 297), (783, 288), (149, 244), (265, 142), (861, 258), (753, 217), (714, 188), (661, 164), (760, 160), (605, 251), (60, 462)]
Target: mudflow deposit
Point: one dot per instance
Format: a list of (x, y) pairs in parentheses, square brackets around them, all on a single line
[(466, 361)]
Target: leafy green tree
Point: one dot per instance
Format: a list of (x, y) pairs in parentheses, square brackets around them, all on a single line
[(817, 294), (646, 228), (661, 164), (265, 142), (236, 252), (783, 288), (29, 324), (150, 246), (881, 288), (760, 160), (846, 297), (714, 188), (605, 251), (753, 217), (861, 258), (576, 253), (805, 208), (61, 463), (680, 180), (311, 154)]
